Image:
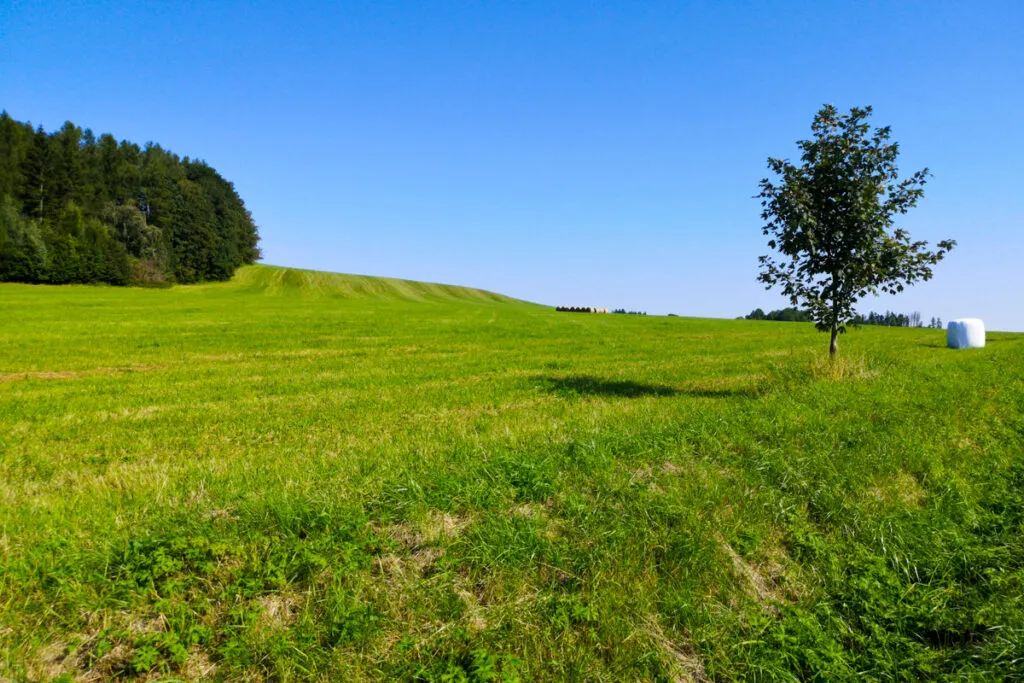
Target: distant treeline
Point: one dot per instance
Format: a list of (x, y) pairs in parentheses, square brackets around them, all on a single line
[(792, 315), (889, 318), (623, 311), (77, 208), (580, 309)]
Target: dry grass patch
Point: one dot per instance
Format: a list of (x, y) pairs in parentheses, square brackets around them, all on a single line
[(475, 617), (530, 511), (75, 374), (439, 526), (80, 661), (51, 661), (671, 468), (279, 610), (199, 667), (765, 579), (841, 368), (900, 489), (680, 658)]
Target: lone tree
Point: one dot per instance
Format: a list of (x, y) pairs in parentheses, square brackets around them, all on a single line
[(831, 221)]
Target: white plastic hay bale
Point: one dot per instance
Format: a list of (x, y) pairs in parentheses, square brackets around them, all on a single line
[(965, 333)]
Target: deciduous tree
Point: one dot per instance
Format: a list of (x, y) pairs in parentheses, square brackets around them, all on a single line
[(832, 221)]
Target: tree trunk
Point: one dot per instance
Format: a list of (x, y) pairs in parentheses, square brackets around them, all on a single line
[(833, 348)]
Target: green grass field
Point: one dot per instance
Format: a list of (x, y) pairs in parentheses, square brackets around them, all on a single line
[(304, 476)]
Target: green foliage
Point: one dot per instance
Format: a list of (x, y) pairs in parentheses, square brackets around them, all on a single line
[(23, 254), (831, 220), (308, 476), (142, 652), (92, 210), (794, 315)]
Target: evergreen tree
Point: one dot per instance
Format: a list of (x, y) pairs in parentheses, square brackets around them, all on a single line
[(66, 169), (34, 170), (77, 208), (15, 140), (22, 251)]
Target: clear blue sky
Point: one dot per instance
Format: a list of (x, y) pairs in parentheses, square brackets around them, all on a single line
[(581, 153)]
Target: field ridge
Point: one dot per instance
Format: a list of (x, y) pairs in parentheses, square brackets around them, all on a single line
[(284, 281)]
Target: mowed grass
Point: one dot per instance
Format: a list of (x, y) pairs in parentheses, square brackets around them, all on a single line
[(301, 476)]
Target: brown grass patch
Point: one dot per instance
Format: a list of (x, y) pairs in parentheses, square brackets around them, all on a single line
[(74, 374), (280, 610), (435, 527), (199, 667), (59, 658), (671, 468), (686, 667), (475, 617), (52, 661), (765, 580)]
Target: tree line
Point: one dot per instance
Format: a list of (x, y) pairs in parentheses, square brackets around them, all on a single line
[(794, 315), (77, 208), (891, 319), (888, 319)]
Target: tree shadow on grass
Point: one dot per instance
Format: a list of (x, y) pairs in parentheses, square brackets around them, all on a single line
[(588, 385), (993, 338)]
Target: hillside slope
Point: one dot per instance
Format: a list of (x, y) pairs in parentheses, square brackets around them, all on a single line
[(280, 281)]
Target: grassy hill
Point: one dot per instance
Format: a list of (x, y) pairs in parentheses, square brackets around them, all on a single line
[(274, 280), (307, 476)]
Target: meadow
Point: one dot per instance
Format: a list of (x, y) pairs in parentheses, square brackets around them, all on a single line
[(305, 476)]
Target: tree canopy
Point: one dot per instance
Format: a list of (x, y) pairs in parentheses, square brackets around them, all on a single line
[(77, 208), (831, 220)]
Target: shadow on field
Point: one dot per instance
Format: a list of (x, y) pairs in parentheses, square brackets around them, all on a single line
[(587, 385), (989, 339), (595, 386)]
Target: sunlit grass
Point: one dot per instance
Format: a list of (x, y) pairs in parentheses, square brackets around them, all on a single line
[(304, 476)]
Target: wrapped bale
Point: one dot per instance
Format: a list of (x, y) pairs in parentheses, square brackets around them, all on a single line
[(965, 333)]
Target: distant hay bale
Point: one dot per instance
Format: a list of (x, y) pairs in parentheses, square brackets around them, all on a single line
[(965, 333)]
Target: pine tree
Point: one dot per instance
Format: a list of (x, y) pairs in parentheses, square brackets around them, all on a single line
[(34, 175)]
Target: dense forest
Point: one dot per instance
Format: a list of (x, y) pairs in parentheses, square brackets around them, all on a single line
[(77, 208)]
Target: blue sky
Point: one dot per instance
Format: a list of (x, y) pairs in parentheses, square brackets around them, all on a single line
[(578, 153)]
